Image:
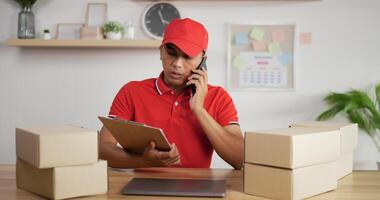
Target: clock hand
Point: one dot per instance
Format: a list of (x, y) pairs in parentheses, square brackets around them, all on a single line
[(162, 18), (165, 22)]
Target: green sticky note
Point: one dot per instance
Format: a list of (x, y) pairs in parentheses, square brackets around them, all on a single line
[(257, 33), (274, 48), (238, 63)]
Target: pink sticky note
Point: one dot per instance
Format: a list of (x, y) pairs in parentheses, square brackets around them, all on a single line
[(278, 35), (258, 45), (306, 38)]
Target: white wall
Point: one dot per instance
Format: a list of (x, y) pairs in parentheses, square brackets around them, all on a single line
[(42, 86)]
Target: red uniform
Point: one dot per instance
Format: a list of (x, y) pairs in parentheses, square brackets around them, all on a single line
[(153, 103)]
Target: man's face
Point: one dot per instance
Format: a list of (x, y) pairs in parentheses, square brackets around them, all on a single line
[(177, 65)]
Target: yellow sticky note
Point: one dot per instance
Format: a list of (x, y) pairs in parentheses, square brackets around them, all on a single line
[(238, 63), (274, 48), (257, 33)]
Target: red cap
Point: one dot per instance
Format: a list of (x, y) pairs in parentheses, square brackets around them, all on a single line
[(188, 35)]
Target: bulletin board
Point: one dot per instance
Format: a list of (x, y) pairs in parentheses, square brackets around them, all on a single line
[(261, 57)]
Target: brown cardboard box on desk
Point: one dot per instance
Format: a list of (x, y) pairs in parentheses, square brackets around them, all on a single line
[(63, 182), (291, 163), (56, 146), (59, 162), (281, 183), (348, 142)]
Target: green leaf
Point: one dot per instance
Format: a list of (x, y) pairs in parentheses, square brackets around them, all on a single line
[(337, 98), (377, 93), (363, 121), (330, 113)]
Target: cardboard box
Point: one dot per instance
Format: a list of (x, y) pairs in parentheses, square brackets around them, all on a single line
[(345, 164), (292, 147), (63, 182), (46, 147), (280, 183), (348, 133)]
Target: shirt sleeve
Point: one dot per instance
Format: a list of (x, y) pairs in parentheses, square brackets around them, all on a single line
[(227, 113), (122, 105)]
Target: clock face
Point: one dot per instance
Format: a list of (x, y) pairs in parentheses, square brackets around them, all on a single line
[(157, 17)]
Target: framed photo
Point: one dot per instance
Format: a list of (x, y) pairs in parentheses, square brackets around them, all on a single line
[(96, 14), (68, 31), (261, 57)]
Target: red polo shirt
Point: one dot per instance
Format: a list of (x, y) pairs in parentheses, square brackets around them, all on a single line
[(153, 103)]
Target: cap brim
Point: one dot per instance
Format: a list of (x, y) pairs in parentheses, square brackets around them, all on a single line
[(187, 47)]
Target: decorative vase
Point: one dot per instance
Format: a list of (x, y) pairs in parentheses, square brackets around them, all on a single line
[(26, 28), (114, 36)]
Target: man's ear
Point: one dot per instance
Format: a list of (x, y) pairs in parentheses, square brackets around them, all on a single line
[(161, 49)]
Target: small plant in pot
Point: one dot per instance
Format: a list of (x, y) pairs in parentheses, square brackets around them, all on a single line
[(46, 34), (114, 30), (359, 107)]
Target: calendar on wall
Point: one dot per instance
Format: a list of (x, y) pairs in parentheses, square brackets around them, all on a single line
[(261, 57)]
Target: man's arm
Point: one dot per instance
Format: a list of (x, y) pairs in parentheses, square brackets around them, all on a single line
[(227, 141), (119, 158)]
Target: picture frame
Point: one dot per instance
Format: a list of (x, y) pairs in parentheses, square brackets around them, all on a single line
[(68, 31), (261, 57), (96, 14)]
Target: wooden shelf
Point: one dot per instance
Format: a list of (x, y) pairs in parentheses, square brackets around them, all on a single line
[(85, 43)]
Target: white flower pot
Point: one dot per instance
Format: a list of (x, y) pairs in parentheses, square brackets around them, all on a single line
[(113, 36), (46, 36)]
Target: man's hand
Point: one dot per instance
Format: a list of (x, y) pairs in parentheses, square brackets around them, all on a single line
[(155, 158), (199, 78)]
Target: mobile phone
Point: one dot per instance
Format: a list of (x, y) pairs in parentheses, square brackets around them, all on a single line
[(201, 65)]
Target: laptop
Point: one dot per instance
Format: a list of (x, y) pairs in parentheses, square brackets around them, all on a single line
[(175, 187)]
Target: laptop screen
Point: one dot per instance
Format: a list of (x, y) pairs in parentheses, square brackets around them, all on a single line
[(175, 187)]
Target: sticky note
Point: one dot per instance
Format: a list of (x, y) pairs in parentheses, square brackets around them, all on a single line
[(306, 38), (278, 36), (259, 45), (257, 33), (241, 38), (286, 59), (238, 63), (274, 48)]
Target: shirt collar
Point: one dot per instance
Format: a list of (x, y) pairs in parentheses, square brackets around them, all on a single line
[(162, 88)]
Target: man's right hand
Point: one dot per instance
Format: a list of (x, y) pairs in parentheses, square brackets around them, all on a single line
[(155, 158)]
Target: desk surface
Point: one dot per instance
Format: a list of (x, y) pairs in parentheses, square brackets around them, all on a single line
[(359, 185)]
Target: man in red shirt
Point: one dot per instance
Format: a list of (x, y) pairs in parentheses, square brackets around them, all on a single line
[(195, 124)]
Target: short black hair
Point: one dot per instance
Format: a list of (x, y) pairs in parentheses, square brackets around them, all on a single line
[(173, 50)]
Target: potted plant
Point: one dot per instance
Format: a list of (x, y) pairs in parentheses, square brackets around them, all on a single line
[(26, 29), (46, 34), (113, 30), (359, 107)]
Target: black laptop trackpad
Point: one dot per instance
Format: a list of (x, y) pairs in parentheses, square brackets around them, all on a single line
[(175, 187)]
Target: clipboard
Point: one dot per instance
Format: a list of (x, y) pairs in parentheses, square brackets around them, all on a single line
[(134, 136)]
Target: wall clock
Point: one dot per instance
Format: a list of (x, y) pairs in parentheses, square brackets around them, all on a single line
[(157, 16)]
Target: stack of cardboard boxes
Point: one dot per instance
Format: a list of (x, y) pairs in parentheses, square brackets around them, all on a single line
[(60, 162), (298, 162)]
